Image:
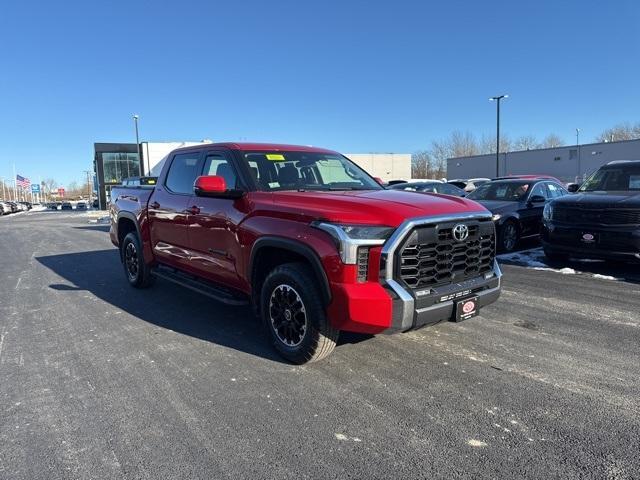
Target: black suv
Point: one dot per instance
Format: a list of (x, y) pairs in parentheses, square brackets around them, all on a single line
[(602, 220)]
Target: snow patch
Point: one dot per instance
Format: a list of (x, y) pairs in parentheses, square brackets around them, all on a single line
[(563, 271), (476, 443), (604, 277)]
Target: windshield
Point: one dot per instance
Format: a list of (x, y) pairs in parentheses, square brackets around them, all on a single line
[(504, 191), (276, 171), (620, 179)]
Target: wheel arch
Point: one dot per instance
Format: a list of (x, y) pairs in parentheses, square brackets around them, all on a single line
[(126, 224), (260, 264)]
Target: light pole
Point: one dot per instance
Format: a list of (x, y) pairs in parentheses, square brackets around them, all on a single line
[(578, 148), (89, 174), (497, 99), (135, 120)]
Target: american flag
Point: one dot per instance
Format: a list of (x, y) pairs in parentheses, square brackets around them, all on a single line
[(23, 182)]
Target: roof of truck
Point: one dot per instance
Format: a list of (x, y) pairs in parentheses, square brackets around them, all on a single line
[(248, 146)]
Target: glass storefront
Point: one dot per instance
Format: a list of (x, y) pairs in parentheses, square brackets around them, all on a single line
[(113, 162), (118, 166)]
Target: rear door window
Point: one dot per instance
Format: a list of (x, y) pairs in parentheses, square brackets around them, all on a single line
[(183, 172), (539, 189), (555, 190)]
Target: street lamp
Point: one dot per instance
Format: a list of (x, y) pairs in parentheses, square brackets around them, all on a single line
[(135, 120), (577, 136), (497, 99)]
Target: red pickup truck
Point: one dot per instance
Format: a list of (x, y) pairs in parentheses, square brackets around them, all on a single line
[(311, 240)]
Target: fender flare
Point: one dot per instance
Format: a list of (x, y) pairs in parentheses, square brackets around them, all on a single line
[(297, 247), (132, 217)]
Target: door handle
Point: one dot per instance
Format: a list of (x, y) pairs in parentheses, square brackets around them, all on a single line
[(155, 205), (193, 210)]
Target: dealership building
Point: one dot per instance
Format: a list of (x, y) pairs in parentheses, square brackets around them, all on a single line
[(114, 162), (569, 164)]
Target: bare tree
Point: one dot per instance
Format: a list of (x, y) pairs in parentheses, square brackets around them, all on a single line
[(551, 141), (421, 164), (50, 184), (622, 131), (525, 142), (488, 144)]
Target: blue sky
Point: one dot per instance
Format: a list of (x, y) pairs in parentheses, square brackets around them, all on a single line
[(356, 76)]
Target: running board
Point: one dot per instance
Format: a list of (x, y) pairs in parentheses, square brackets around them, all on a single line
[(197, 285)]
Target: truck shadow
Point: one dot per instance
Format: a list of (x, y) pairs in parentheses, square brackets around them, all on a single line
[(164, 304)]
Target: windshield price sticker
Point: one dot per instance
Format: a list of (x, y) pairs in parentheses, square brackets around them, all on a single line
[(275, 157)]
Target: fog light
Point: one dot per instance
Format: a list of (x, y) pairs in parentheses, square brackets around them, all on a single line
[(488, 275)]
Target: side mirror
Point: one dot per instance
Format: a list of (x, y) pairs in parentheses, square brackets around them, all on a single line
[(214, 186), (537, 199), (573, 187)]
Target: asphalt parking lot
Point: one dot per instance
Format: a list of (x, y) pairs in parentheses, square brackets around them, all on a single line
[(98, 380)]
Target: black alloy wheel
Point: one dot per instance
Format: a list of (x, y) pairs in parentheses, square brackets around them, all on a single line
[(288, 315), (137, 271)]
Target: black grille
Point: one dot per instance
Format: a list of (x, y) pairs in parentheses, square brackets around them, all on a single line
[(584, 216), (431, 256)]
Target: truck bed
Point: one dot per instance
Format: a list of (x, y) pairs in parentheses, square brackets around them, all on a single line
[(130, 199)]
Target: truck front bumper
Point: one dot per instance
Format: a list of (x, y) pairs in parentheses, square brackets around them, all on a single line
[(411, 310)]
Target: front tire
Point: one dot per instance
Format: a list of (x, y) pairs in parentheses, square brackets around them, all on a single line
[(292, 311), (137, 271), (509, 236)]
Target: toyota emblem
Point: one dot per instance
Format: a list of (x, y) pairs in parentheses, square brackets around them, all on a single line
[(460, 232)]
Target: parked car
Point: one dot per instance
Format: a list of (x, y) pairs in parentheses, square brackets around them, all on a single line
[(66, 206), (468, 185), (601, 220), (27, 205), (529, 177), (14, 207), (2, 208), (95, 204), (52, 206), (81, 206), (310, 239), (430, 187), (395, 182), (517, 207)]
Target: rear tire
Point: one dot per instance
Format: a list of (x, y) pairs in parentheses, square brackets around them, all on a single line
[(292, 311), (137, 271)]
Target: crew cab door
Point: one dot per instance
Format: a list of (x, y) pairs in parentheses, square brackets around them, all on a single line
[(213, 224), (167, 209)]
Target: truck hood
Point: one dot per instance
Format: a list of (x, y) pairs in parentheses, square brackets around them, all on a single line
[(600, 200), (372, 207)]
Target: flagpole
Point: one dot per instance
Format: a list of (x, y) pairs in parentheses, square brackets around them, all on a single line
[(15, 184)]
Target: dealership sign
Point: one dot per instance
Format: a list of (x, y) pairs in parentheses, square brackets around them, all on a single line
[(35, 188), (61, 192)]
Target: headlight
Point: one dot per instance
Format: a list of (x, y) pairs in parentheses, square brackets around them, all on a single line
[(495, 217), (547, 213), (350, 237)]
